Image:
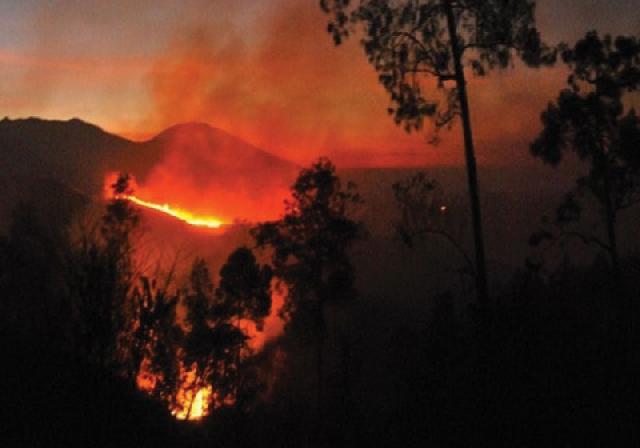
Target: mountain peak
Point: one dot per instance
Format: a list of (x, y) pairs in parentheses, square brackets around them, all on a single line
[(190, 128)]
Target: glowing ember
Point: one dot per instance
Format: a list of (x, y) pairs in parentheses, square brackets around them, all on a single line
[(183, 215)]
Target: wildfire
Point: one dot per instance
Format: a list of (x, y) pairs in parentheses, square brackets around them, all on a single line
[(183, 215), (193, 406), (192, 401)]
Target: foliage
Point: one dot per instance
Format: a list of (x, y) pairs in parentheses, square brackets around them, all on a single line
[(311, 241), (156, 339), (216, 342), (590, 119), (408, 40), (425, 211), (244, 291), (100, 277)]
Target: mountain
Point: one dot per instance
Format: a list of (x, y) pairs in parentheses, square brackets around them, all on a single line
[(79, 153), (208, 157), (72, 152), (191, 165)]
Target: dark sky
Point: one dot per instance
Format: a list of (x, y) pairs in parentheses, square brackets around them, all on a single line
[(263, 70)]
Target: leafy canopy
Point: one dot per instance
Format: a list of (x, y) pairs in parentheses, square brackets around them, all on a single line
[(216, 343), (406, 40), (310, 242), (590, 119)]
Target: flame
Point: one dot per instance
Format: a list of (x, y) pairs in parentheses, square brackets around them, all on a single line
[(192, 399), (183, 215), (193, 406)]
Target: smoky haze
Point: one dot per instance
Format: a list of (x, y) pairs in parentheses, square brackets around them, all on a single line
[(265, 71)]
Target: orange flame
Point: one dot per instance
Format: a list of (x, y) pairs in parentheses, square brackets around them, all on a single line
[(193, 406), (183, 215), (192, 400)]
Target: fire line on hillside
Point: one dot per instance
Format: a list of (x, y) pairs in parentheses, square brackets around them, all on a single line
[(183, 215)]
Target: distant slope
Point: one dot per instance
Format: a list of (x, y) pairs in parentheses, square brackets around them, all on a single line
[(208, 155), (79, 153), (73, 152), (187, 165)]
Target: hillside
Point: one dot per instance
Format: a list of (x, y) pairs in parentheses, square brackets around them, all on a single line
[(191, 165), (72, 152)]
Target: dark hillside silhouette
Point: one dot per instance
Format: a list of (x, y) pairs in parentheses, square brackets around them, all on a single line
[(189, 162), (73, 152)]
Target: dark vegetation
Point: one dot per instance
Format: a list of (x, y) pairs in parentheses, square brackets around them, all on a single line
[(541, 359)]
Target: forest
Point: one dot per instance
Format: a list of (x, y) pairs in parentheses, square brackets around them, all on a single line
[(447, 314)]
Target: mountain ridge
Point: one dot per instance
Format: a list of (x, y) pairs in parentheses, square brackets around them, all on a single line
[(193, 165), (74, 149)]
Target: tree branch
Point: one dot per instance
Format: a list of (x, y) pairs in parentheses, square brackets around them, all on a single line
[(454, 243)]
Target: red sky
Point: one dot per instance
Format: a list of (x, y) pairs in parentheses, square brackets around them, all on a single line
[(265, 71)]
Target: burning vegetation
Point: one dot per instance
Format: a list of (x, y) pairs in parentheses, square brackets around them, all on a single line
[(191, 347), (195, 347), (102, 350), (185, 216), (215, 332), (182, 215)]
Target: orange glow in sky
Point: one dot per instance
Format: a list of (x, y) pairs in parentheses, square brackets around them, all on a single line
[(267, 72)]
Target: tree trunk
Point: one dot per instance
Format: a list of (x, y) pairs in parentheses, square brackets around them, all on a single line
[(483, 411), (319, 362), (611, 231), (472, 174)]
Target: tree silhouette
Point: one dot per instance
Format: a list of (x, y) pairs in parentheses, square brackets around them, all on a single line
[(408, 41), (310, 245), (197, 351), (590, 119), (244, 296), (156, 338), (244, 291), (425, 211), (216, 342), (101, 274)]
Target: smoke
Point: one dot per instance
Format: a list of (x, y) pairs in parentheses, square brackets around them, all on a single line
[(281, 85), (265, 71), (211, 173)]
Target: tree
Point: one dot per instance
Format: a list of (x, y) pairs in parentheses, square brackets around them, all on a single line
[(425, 211), (243, 296), (244, 291), (589, 118), (216, 343), (310, 251), (407, 41), (155, 340), (101, 274)]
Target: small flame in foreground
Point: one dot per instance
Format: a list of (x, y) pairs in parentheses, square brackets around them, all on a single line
[(193, 406), (192, 401), (183, 215)]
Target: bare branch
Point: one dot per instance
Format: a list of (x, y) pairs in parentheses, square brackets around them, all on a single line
[(453, 242)]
